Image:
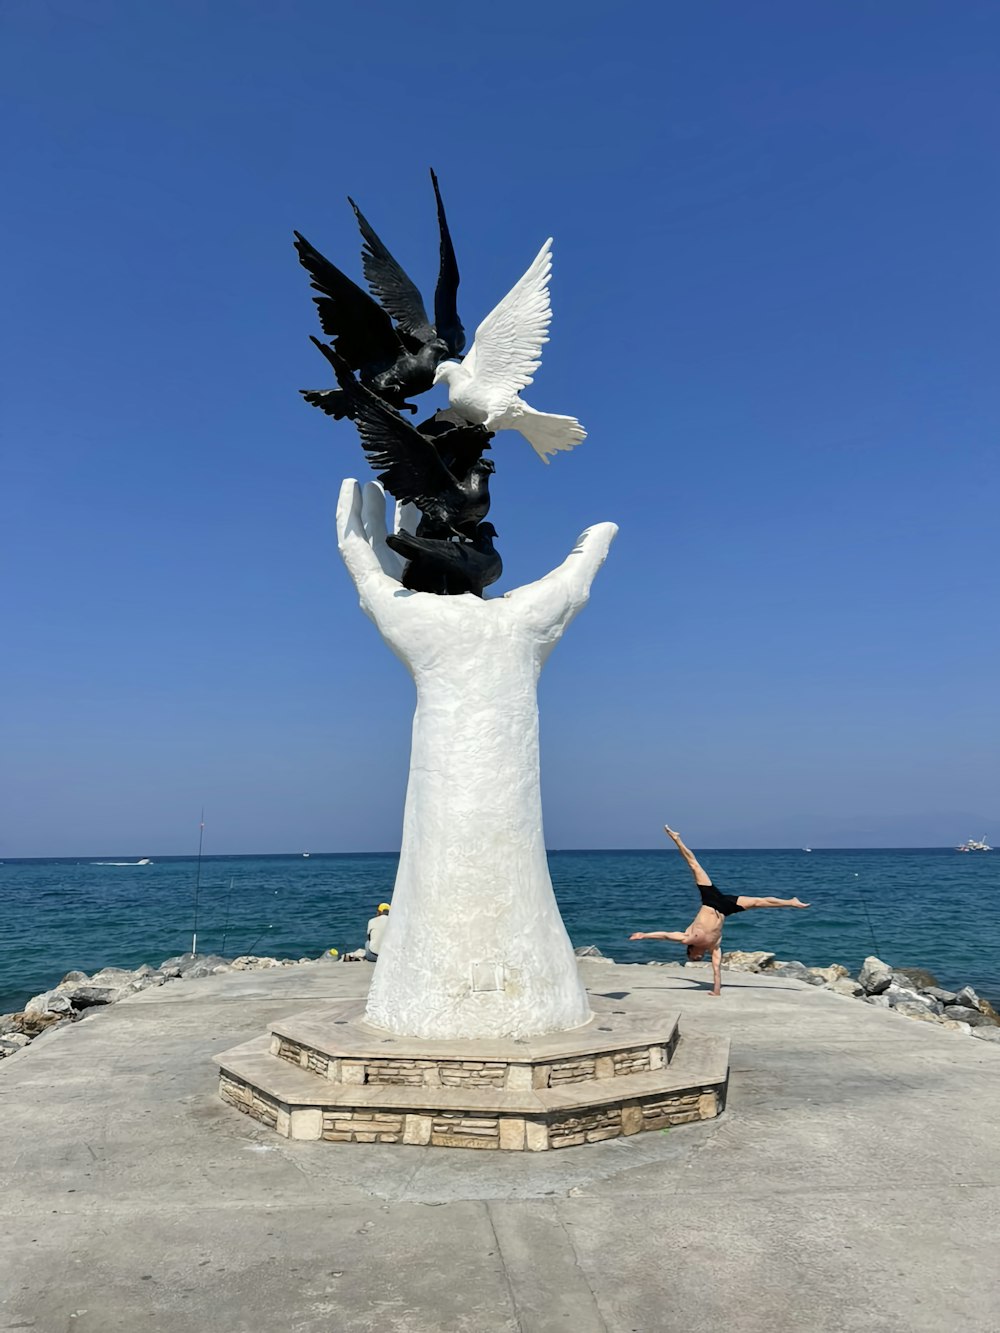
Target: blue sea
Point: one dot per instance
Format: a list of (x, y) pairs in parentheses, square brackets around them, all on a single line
[(930, 908)]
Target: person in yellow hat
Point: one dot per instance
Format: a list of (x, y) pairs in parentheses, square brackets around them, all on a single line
[(376, 929)]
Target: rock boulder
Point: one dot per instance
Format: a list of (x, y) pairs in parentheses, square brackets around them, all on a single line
[(902, 995), (794, 970), (206, 966), (875, 976), (49, 1002), (845, 986), (917, 978), (755, 960), (113, 976), (831, 973), (965, 1014), (33, 1025), (917, 1011), (968, 997), (86, 997)]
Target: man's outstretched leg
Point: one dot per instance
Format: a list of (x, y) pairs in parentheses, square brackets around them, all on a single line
[(700, 877), (747, 903)]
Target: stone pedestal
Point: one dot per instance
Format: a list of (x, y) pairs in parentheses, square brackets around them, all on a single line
[(328, 1074)]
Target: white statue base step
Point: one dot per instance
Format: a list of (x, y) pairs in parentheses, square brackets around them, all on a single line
[(328, 1074)]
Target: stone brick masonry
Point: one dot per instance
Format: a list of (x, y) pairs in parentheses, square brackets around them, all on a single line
[(249, 1100), (397, 1072), (609, 1080)]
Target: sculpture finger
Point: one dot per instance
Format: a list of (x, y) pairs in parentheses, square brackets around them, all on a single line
[(406, 518), (373, 518)]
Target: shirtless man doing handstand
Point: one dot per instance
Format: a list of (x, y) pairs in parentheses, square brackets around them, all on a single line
[(704, 935)]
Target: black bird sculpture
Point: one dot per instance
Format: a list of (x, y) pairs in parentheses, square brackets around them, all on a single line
[(449, 567), (459, 444), (409, 465), (390, 342)]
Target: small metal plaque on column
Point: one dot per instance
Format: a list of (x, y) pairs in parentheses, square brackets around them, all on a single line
[(487, 976)]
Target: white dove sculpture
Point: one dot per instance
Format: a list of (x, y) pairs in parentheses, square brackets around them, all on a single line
[(485, 387)]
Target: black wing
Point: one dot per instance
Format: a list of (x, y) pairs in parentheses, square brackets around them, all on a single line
[(455, 438), (396, 291), (440, 549), (407, 464), (363, 331), (331, 401), (449, 326), (476, 565)]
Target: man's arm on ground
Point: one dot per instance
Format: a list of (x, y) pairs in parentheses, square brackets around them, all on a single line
[(717, 970), (679, 935)]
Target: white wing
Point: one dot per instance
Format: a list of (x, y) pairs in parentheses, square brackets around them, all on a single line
[(509, 341)]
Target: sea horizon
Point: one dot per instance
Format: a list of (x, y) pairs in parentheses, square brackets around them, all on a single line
[(905, 905), (96, 857)]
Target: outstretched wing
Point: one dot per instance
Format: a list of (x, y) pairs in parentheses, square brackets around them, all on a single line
[(449, 326), (509, 341), (363, 331), (396, 291), (407, 464)]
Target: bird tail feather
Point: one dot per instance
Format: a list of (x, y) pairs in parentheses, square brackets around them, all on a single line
[(334, 402), (547, 432)]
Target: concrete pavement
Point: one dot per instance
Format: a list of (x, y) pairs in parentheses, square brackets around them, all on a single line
[(852, 1184)]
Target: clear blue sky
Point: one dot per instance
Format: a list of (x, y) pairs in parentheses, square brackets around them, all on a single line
[(775, 299)]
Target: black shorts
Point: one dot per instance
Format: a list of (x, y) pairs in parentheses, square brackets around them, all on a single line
[(722, 902)]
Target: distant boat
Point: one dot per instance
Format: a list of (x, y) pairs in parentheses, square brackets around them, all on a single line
[(975, 845), (807, 849), (144, 862), (306, 854)]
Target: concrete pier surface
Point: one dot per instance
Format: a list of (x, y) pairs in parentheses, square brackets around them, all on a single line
[(853, 1183)]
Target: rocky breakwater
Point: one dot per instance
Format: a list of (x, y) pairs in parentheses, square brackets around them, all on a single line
[(78, 993), (910, 992)]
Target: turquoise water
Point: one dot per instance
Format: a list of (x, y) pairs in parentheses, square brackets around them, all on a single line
[(932, 908)]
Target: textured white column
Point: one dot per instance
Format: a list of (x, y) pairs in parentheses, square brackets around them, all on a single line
[(475, 945)]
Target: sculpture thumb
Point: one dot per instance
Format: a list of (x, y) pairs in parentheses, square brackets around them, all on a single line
[(551, 602), (588, 555)]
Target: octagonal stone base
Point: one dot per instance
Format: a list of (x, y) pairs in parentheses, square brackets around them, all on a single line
[(327, 1074)]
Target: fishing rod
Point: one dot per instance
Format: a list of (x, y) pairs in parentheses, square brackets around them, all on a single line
[(225, 929), (864, 908), (259, 938), (197, 883)]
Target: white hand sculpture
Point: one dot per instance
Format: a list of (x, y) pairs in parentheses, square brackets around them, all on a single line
[(475, 945)]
